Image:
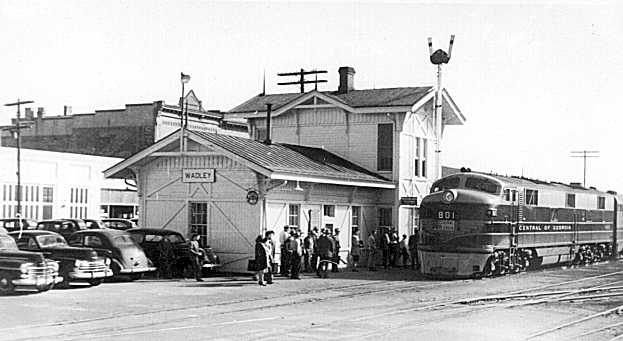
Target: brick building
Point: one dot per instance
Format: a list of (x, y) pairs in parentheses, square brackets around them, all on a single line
[(117, 132)]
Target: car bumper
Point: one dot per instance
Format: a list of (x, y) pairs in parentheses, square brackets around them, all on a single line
[(86, 275), (138, 270), (37, 281)]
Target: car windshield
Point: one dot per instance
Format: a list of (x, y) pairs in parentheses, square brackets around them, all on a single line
[(447, 183), (483, 185), (7, 243), (123, 240), (51, 241)]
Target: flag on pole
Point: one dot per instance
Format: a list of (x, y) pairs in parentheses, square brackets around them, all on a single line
[(185, 78)]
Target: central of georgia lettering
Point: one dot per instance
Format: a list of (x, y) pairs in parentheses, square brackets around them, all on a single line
[(532, 228)]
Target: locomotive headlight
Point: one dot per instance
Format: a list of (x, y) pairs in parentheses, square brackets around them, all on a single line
[(447, 196)]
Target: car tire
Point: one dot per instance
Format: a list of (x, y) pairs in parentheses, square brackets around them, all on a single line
[(45, 287), (96, 282), (6, 286)]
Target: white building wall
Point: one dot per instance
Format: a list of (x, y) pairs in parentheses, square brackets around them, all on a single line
[(62, 172)]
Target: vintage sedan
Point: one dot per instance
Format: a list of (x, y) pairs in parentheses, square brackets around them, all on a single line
[(64, 227), (77, 264), (128, 258), (119, 224), (23, 269), (13, 224), (151, 241)]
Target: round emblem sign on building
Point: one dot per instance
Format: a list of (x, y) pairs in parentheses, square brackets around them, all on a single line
[(252, 197)]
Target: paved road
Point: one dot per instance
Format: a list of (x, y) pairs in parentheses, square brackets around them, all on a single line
[(394, 304)]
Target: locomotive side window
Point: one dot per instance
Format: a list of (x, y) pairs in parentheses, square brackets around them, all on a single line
[(532, 197), (570, 200), (510, 194), (481, 184), (601, 203), (447, 183)]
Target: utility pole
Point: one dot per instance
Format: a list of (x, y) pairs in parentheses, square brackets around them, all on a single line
[(437, 58), (18, 123), (584, 154)]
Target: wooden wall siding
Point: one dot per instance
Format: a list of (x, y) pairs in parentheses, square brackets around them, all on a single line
[(323, 193), (217, 161)]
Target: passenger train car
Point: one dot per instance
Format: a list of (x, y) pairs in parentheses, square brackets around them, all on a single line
[(475, 224)]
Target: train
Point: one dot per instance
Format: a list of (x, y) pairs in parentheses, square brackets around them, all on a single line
[(475, 225)]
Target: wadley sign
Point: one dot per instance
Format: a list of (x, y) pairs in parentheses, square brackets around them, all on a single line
[(198, 175)]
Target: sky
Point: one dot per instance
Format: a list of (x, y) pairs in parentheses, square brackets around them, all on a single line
[(535, 80)]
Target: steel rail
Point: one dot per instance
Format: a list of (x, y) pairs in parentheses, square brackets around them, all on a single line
[(600, 329), (568, 324)]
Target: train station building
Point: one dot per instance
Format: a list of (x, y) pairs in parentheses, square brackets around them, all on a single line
[(332, 159)]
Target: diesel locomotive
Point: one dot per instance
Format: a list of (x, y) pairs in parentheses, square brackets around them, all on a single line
[(475, 224)]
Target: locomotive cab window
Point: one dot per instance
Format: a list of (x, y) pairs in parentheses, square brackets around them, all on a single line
[(510, 194), (483, 185), (447, 183), (570, 200)]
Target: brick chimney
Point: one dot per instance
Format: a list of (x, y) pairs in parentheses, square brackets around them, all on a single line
[(66, 110), (40, 112), (347, 79), (28, 114)]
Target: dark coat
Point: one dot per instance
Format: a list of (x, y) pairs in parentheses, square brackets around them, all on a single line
[(326, 246), (261, 256)]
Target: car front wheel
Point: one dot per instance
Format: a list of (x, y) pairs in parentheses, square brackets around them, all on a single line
[(96, 282)]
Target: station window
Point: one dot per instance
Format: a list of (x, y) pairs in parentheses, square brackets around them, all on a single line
[(48, 194), (356, 212), (532, 197), (71, 197), (416, 166), (570, 200), (385, 147), (294, 215), (601, 203), (46, 212), (329, 210), (385, 216), (199, 221), (424, 156), (3, 192)]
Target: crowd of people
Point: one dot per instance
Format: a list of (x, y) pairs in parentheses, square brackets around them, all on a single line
[(319, 251)]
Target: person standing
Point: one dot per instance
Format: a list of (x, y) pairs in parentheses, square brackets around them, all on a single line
[(197, 256), (385, 248), (308, 250), (314, 259), (283, 237), (394, 248), (336, 254), (404, 251), (355, 249), (270, 245), (262, 259), (413, 240), (166, 257), (372, 251), (296, 252), (325, 253)]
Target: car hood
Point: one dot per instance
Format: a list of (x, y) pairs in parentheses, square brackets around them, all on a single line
[(69, 252), (26, 256)]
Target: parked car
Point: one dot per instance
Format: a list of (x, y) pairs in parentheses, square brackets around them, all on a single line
[(76, 264), (12, 224), (23, 269), (94, 224), (64, 227), (150, 240), (119, 224), (128, 258)]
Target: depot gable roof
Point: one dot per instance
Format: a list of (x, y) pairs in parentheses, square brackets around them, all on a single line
[(275, 161), (357, 101)]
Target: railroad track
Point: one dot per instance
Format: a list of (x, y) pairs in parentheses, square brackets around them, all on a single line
[(304, 297)]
